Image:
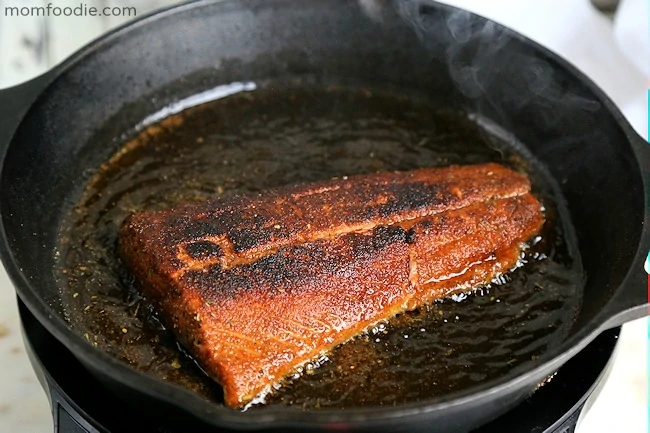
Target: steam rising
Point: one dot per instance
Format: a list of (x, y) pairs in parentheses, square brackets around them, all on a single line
[(495, 77)]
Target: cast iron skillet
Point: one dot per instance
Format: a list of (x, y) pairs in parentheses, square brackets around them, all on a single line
[(461, 60)]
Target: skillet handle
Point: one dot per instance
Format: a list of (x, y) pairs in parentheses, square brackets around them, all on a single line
[(14, 103), (632, 299)]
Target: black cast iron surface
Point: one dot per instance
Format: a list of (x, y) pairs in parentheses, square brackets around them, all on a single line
[(76, 115)]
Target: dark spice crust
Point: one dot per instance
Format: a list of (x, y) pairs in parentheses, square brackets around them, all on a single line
[(245, 228), (336, 269)]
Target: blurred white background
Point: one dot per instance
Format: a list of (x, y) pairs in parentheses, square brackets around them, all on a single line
[(613, 51)]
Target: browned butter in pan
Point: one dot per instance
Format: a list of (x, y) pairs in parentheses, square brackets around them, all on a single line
[(271, 137)]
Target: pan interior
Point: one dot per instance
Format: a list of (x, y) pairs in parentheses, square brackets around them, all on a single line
[(295, 131), (415, 48)]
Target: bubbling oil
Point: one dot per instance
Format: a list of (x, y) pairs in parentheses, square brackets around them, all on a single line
[(276, 136)]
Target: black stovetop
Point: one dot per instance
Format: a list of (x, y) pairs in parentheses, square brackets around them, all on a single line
[(80, 404)]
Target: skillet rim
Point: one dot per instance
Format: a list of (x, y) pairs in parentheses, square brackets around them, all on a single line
[(288, 416)]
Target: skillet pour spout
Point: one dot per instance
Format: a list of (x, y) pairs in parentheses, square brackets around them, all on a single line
[(599, 165), (631, 301)]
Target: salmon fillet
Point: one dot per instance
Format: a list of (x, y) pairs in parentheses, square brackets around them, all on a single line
[(257, 285)]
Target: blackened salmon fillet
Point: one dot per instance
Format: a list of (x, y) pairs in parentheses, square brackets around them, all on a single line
[(257, 285)]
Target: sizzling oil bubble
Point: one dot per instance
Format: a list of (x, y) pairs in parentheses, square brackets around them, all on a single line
[(266, 138)]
